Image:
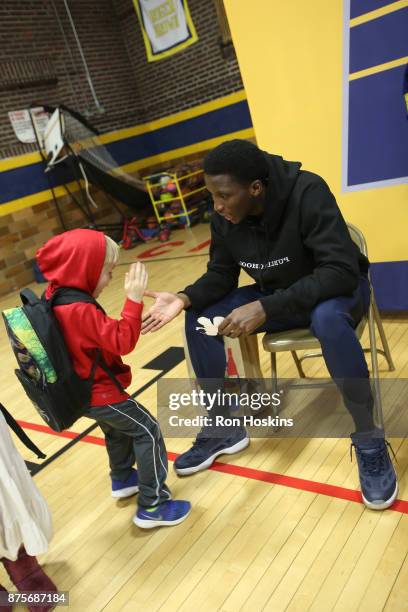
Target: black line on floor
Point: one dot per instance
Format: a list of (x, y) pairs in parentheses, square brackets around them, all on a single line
[(31, 466), (62, 450), (167, 360)]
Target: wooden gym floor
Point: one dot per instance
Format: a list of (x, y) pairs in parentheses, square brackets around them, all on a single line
[(277, 527)]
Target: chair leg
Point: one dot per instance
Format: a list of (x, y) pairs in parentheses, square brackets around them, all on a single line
[(298, 364), (250, 356), (374, 365), (383, 337), (274, 373), (274, 379)]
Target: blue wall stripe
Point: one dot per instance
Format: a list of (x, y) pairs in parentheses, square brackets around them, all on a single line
[(359, 7), (209, 125), (378, 128), (379, 41), (390, 282), (27, 180)]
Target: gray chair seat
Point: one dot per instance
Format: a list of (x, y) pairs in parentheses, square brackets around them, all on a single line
[(300, 339)]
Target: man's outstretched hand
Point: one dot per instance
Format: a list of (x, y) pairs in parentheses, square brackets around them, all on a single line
[(165, 308), (243, 320)]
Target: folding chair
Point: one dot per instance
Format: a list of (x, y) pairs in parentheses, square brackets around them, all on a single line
[(294, 340)]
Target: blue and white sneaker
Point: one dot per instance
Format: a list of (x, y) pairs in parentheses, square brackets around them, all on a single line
[(164, 515), (378, 480), (204, 452), (125, 488)]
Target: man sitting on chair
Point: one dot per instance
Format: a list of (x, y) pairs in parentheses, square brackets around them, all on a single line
[(282, 226)]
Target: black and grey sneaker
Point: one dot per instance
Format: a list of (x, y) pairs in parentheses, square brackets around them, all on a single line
[(204, 452), (378, 480)]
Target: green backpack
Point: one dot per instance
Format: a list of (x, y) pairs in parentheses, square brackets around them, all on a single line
[(45, 367)]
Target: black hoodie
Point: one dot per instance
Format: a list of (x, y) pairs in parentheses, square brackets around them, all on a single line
[(299, 251)]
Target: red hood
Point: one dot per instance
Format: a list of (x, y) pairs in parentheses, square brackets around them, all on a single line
[(73, 259)]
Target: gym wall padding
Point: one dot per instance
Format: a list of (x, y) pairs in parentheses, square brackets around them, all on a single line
[(349, 127)]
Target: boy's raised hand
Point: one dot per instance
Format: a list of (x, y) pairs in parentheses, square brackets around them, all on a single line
[(136, 281)]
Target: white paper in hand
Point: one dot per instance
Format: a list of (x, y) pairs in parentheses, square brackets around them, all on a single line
[(210, 328)]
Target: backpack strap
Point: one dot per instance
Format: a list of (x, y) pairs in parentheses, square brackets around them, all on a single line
[(28, 297), (99, 361), (20, 433), (69, 295), (108, 372)]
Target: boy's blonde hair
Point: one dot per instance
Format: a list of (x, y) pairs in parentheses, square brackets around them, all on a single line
[(112, 252)]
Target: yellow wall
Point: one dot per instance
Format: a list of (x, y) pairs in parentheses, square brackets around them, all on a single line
[(290, 54)]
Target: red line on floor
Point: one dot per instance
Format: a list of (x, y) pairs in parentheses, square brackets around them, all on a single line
[(301, 484), (62, 434), (200, 246)]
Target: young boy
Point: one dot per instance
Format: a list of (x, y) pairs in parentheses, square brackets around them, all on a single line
[(84, 259)]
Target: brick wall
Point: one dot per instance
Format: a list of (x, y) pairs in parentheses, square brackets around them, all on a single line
[(36, 65), (24, 231), (30, 32), (202, 72)]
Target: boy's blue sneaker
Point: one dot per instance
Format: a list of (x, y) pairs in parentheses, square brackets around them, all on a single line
[(164, 515), (378, 480), (125, 488), (204, 452)]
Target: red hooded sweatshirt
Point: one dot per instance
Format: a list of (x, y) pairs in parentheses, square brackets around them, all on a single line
[(75, 259)]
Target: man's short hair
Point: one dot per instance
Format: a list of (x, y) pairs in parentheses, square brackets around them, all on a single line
[(238, 158)]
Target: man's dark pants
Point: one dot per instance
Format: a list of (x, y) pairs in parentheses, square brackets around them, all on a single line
[(332, 322)]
